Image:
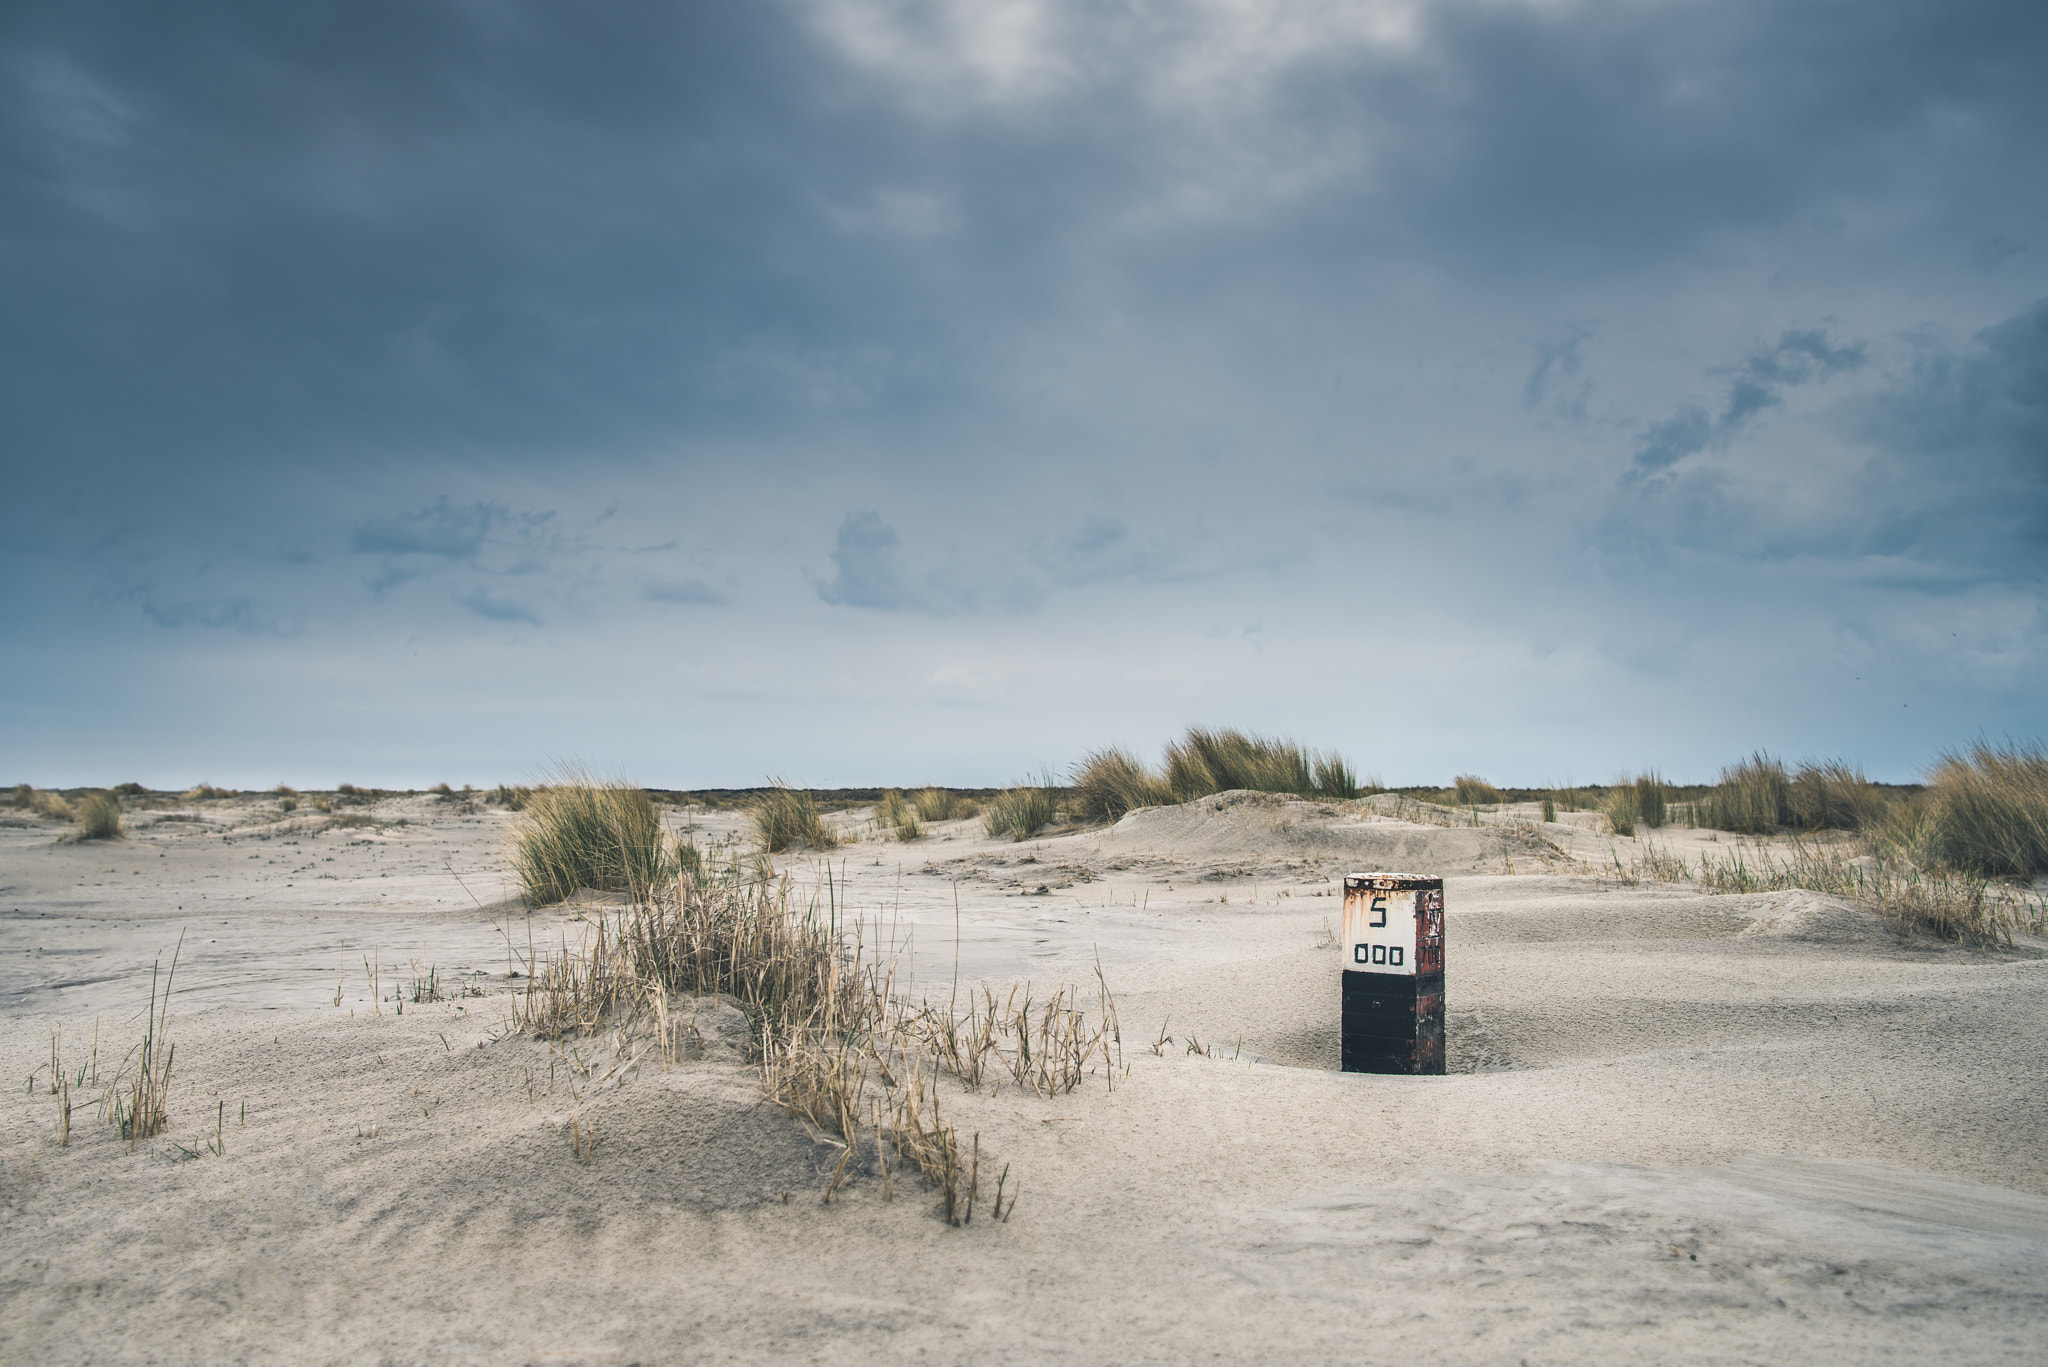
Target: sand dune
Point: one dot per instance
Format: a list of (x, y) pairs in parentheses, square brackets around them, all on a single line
[(1677, 1127)]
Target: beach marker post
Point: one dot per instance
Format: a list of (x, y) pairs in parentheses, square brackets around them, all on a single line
[(1393, 942)]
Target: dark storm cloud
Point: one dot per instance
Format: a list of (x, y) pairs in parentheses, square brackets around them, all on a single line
[(1946, 482), (1963, 443), (503, 232)]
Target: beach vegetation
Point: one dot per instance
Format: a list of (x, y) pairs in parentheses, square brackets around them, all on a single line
[(838, 1044), (1985, 810), (788, 818), (99, 817), (580, 832), (1023, 811), (1110, 782), (942, 804), (47, 805), (900, 815), (1470, 790)]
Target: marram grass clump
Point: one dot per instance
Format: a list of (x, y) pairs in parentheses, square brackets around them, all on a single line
[(1111, 781), (900, 815), (1986, 809), (787, 818), (99, 817), (1021, 812), (583, 833)]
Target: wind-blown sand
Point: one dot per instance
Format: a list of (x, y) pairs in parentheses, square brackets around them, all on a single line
[(1677, 1127)]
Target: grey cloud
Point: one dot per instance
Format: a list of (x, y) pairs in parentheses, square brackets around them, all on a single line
[(1800, 357), (1942, 488), (481, 536), (440, 529), (685, 592), (498, 609), (239, 612), (1962, 437), (865, 572), (1556, 380)]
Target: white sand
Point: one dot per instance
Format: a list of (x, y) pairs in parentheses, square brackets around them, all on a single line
[(1677, 1127)]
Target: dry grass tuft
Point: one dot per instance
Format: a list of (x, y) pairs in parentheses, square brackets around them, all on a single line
[(49, 806), (837, 1046), (941, 804), (99, 817), (1951, 905), (205, 792), (1636, 800), (900, 815), (1470, 790), (582, 833), (787, 818)]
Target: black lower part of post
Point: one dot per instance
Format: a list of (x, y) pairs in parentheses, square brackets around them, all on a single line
[(1393, 1023)]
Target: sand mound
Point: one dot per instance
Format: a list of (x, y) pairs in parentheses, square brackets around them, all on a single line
[(1249, 825), (1816, 918)]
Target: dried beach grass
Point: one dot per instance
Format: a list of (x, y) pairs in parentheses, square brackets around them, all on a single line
[(1952, 905), (836, 1044), (900, 815), (99, 817)]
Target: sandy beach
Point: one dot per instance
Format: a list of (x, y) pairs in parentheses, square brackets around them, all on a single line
[(1675, 1127)]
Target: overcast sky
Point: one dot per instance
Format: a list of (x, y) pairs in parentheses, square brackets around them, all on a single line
[(905, 391)]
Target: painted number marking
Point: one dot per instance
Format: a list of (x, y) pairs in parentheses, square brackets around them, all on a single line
[(1377, 954)]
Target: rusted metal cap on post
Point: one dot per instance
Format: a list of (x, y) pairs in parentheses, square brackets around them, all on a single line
[(1393, 980)]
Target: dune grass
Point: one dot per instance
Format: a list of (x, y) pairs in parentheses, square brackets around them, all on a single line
[(900, 815), (1110, 782), (1986, 809), (580, 832), (1470, 790), (49, 806), (1760, 796), (99, 817), (1636, 800), (1948, 903), (1023, 811), (942, 804), (787, 818), (138, 1103), (836, 1044)]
